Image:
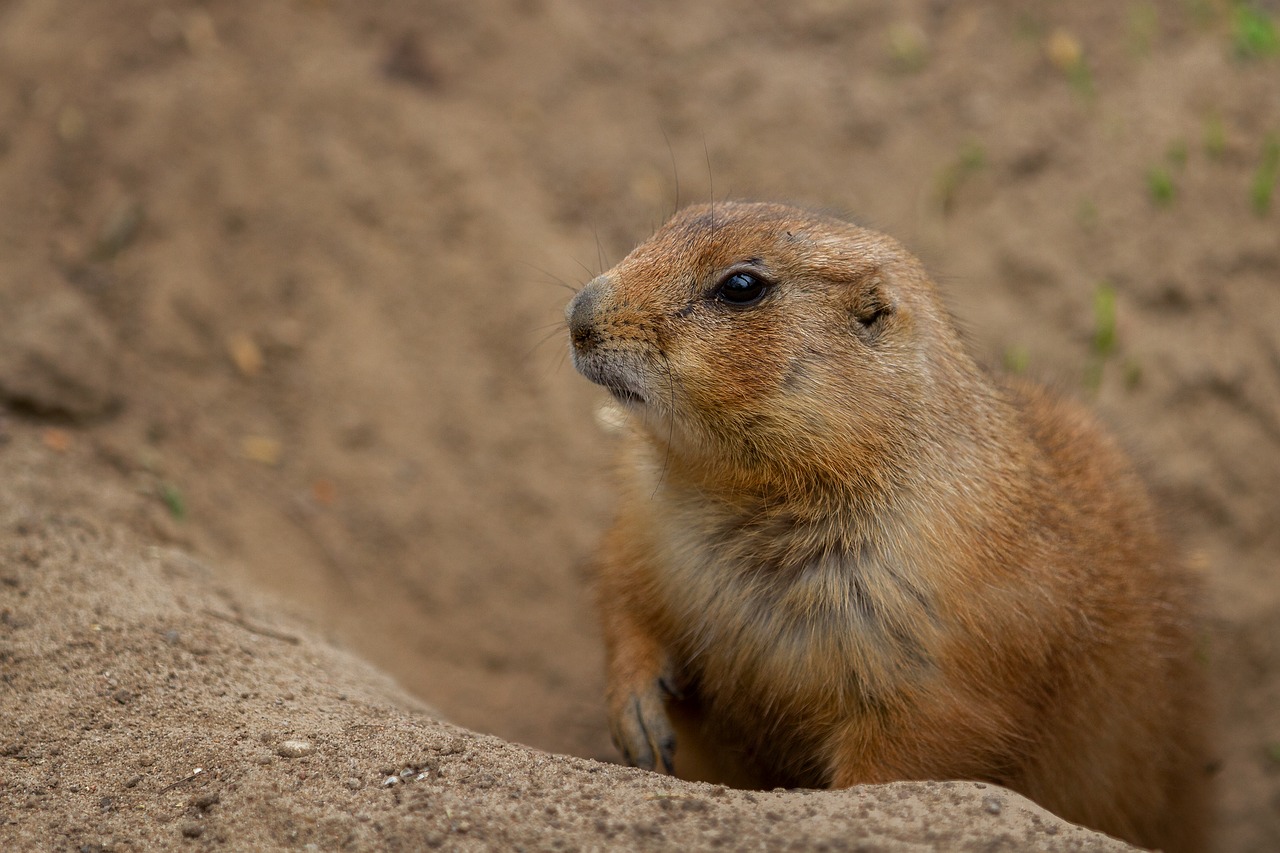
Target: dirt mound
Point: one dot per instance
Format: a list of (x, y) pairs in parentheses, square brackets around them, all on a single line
[(148, 705)]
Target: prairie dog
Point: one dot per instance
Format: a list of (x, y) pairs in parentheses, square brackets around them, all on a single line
[(844, 554)]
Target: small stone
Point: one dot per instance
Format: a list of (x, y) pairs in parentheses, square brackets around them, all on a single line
[(245, 354), (1064, 50), (353, 783), (992, 805), (260, 448), (57, 440), (132, 781), (294, 748), (390, 781), (124, 697), (192, 830)]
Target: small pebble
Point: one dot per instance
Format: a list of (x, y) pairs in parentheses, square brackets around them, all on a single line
[(132, 781), (992, 805), (294, 748), (1064, 50), (57, 440), (259, 448), (124, 697), (245, 354), (390, 780), (192, 830), (353, 783)]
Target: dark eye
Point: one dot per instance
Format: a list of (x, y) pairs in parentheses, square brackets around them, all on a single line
[(742, 288)]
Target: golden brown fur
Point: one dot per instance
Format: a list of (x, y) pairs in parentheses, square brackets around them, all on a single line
[(844, 554)]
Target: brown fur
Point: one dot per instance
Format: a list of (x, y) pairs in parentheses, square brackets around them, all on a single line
[(844, 554)]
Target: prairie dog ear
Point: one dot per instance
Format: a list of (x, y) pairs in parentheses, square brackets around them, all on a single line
[(870, 303)]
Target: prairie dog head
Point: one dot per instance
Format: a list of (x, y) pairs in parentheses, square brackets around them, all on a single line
[(760, 333)]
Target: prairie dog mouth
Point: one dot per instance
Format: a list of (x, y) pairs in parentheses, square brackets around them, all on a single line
[(621, 380)]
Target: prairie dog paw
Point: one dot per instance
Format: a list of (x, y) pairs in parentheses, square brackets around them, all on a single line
[(642, 731)]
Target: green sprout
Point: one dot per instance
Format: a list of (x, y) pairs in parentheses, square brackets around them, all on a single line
[(1160, 185), (972, 158), (173, 500), (1132, 374), (1104, 320), (1253, 33), (1215, 137), (1144, 23), (908, 47), (1016, 359), (1264, 180), (1104, 334), (1087, 215)]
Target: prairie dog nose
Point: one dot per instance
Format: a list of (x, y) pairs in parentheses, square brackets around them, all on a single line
[(581, 314)]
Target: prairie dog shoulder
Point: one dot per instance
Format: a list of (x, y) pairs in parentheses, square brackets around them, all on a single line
[(851, 556)]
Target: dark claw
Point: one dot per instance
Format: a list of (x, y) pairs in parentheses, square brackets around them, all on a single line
[(643, 733), (667, 752), (644, 759)]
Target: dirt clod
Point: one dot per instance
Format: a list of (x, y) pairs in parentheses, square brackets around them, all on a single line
[(60, 357)]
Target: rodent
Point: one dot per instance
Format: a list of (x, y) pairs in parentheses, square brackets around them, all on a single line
[(844, 553)]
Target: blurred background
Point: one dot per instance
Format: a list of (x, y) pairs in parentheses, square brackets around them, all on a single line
[(295, 270)]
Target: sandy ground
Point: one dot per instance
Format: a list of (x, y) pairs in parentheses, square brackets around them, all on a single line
[(281, 356)]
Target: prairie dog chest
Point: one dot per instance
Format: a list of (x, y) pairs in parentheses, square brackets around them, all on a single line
[(765, 600)]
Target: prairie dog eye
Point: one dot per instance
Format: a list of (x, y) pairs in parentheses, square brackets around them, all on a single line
[(742, 289)]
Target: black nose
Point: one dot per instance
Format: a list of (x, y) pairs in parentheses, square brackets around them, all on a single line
[(581, 314)]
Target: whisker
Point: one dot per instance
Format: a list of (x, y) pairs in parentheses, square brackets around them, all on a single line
[(675, 170), (558, 325), (556, 329), (554, 279), (585, 268), (599, 251), (711, 178)]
